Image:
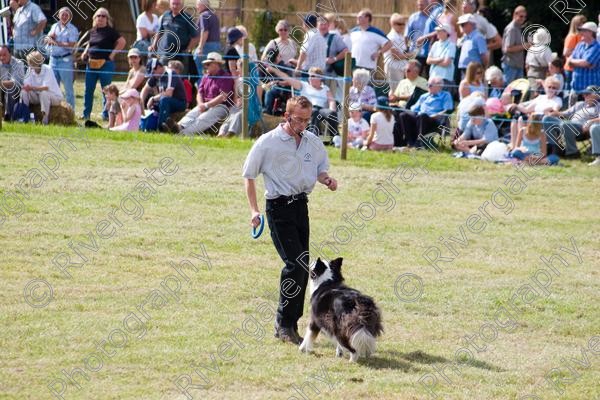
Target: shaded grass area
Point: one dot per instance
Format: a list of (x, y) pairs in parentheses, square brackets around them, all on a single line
[(202, 206)]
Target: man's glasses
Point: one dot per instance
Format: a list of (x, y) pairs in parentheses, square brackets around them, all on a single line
[(300, 121), (399, 23), (102, 15)]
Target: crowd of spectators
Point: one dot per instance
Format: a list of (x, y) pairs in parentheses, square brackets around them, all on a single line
[(405, 83)]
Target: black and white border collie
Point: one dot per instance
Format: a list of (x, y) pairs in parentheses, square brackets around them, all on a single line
[(350, 318)]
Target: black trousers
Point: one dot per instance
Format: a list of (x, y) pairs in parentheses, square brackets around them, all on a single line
[(409, 126), (289, 227)]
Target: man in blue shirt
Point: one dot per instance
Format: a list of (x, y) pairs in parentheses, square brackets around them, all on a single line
[(585, 59), (473, 47), (479, 132), (426, 115), (418, 27)]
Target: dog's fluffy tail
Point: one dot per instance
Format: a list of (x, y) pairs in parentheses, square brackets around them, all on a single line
[(363, 342)]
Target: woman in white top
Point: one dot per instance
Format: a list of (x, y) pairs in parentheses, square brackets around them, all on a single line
[(381, 136), (40, 85), (281, 49), (395, 58), (146, 25), (319, 95)]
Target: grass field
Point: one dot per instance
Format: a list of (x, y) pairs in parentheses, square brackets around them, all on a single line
[(128, 318)]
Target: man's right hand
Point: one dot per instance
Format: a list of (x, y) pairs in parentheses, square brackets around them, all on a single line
[(255, 219)]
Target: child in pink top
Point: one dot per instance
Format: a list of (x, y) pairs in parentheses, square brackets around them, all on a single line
[(131, 110)]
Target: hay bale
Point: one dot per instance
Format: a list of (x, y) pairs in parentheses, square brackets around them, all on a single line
[(271, 121), (61, 114)]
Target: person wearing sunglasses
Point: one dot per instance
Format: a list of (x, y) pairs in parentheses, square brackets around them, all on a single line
[(395, 59), (473, 81), (100, 52)]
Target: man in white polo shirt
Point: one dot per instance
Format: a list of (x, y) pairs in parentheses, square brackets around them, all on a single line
[(291, 160), (368, 42)]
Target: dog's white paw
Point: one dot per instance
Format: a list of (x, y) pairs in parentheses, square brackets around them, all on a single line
[(305, 347), (353, 357), (339, 351)]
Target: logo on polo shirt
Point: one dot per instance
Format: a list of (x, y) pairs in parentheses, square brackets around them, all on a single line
[(307, 157)]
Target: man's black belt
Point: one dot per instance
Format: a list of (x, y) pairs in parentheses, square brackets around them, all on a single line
[(285, 200)]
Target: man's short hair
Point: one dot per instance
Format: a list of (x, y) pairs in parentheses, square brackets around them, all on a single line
[(416, 63), (367, 13), (299, 101), (477, 111)]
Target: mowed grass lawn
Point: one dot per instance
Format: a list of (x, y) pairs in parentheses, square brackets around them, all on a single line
[(127, 325)]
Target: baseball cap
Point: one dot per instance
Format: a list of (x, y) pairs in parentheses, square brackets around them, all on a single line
[(151, 66)]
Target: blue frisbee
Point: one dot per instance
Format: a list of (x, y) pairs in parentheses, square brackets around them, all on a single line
[(257, 231)]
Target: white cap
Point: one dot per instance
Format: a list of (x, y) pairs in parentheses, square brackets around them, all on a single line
[(463, 19), (589, 26), (444, 27)]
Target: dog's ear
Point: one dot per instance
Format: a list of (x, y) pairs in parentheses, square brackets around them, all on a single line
[(336, 264)]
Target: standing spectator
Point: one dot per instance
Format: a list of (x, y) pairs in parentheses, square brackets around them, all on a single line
[(425, 116), (338, 25), (28, 24), (585, 59), (12, 72), (171, 92), (252, 55), (407, 86), (235, 38), (487, 29), (210, 33), (40, 86), (215, 97), (419, 26), (113, 106), (62, 37), (395, 58), (473, 81), (448, 17), (513, 48), (368, 42), (313, 52), (105, 43), (176, 34), (441, 57), (336, 51), (146, 26), (539, 57), (571, 41), (472, 44)]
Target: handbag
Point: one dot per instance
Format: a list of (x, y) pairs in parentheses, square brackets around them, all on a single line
[(338, 66), (20, 112), (96, 63)]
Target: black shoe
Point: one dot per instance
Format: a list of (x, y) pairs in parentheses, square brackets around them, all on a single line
[(289, 335), (172, 126), (572, 156)]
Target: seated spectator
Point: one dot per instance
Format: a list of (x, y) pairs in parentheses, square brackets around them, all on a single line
[(324, 107), (595, 135), (572, 124), (473, 81), (136, 77), (215, 97), (167, 89), (495, 81), (441, 57), (425, 116), (531, 143), (556, 70), (479, 131), (475, 99), (131, 111), (358, 129), (407, 86), (361, 94), (381, 134), (543, 104), (113, 107), (178, 68), (12, 72), (473, 47), (40, 86)]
